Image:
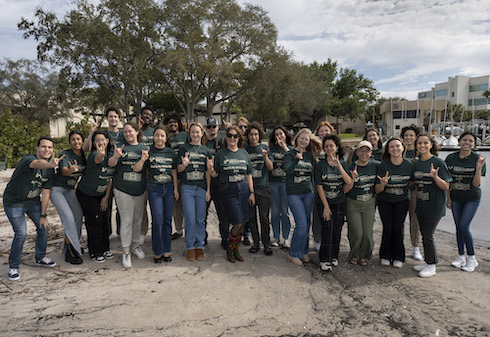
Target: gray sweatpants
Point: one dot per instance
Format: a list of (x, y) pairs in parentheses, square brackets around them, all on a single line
[(131, 209)]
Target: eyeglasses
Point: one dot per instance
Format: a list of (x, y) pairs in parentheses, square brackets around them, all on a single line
[(211, 126), (232, 135)]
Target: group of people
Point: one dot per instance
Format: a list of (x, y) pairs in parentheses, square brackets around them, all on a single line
[(180, 170)]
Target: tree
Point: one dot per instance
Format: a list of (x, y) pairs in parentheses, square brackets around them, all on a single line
[(351, 95), (112, 46), (31, 91), (212, 49)]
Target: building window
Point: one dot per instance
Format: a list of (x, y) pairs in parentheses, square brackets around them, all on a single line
[(479, 101), (406, 114), (479, 87), (442, 92)]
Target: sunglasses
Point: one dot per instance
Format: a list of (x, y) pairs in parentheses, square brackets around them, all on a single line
[(242, 126), (211, 126), (232, 135)]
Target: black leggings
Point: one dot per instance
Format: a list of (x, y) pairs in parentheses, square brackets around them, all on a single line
[(392, 216), (331, 232), (427, 228)]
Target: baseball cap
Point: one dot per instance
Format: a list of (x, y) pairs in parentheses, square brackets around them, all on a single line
[(211, 121), (365, 143)]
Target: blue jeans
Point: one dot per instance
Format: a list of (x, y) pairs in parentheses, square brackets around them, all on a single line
[(161, 198), (300, 206), (463, 213), (71, 214), (194, 206), (17, 217), (279, 210)]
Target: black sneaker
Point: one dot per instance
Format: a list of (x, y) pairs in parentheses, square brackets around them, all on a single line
[(246, 241), (98, 259), (254, 249), (46, 262), (108, 255), (268, 251), (13, 274)]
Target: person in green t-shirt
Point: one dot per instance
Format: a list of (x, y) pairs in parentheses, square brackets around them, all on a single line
[(177, 137), (409, 134), (299, 164), (279, 145), (32, 178), (159, 164), (432, 179), (372, 136), (233, 168), (65, 200), (261, 164), (463, 198), (93, 194), (330, 178), (361, 204), (196, 190), (324, 129), (129, 191), (392, 188)]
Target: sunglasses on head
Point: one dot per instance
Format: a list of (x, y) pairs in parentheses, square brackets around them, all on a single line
[(211, 126), (232, 135)]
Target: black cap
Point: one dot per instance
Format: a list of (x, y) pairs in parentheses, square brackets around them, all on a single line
[(211, 121)]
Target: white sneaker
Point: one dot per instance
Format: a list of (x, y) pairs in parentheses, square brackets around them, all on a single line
[(397, 264), (142, 240), (126, 260), (416, 254), (459, 262), (108, 255), (428, 271), (287, 244), (139, 253), (385, 262), (326, 266), (46, 262), (335, 262), (317, 246), (13, 274), (470, 265), (274, 243), (420, 267)]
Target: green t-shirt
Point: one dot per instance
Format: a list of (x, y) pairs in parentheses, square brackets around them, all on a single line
[(397, 188), (125, 179), (376, 157), (330, 178), (277, 153), (147, 137), (159, 165), (194, 173), (26, 184), (299, 173), (216, 144), (117, 138), (69, 181), (463, 170), (260, 172), (410, 154), (232, 166), (363, 188), (178, 140), (431, 200), (96, 177)]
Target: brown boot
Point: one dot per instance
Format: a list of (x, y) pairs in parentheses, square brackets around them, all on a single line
[(230, 252), (199, 254), (191, 255)]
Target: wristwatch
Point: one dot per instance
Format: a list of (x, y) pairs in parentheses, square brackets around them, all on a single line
[(44, 216)]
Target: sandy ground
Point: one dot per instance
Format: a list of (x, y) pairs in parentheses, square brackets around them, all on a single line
[(263, 296)]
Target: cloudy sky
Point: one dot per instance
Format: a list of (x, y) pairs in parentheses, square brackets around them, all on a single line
[(404, 46)]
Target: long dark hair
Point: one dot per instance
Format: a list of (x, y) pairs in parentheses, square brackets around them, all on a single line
[(466, 133), (338, 143), (78, 132), (177, 118), (434, 150), (272, 138), (106, 135), (380, 144)]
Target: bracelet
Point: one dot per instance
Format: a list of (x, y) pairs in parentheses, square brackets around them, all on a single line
[(44, 216), (252, 192)]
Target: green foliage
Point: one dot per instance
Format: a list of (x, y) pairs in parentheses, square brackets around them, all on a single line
[(83, 125), (18, 137)]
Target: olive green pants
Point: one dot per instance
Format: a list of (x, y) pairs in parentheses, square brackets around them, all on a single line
[(360, 219)]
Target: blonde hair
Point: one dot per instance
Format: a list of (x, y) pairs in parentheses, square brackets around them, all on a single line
[(315, 145)]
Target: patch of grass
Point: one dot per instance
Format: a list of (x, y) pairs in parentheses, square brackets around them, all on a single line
[(350, 135)]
